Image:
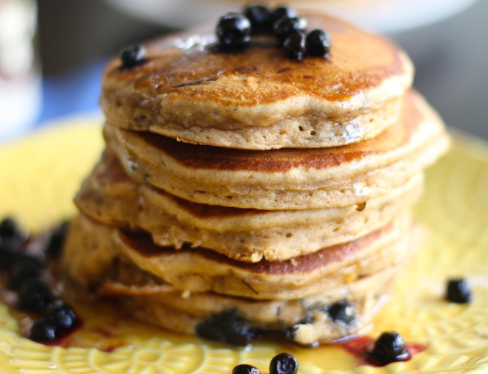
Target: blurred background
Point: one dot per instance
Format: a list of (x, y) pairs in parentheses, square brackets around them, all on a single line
[(52, 52)]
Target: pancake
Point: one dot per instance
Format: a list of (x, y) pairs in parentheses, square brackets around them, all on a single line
[(286, 179), (259, 99), (203, 270), (305, 321), (109, 196)]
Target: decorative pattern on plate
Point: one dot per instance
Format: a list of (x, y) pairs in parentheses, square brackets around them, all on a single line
[(39, 176)]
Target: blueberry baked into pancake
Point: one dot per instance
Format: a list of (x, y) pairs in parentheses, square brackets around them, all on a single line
[(257, 180)]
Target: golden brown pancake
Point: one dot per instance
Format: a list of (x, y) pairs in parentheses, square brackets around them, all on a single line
[(244, 193), (148, 297), (109, 196), (286, 179), (203, 270), (305, 321), (258, 98)]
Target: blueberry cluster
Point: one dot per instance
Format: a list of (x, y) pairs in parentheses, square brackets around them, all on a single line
[(234, 30), (283, 363), (27, 279), (59, 319), (389, 347), (227, 327)]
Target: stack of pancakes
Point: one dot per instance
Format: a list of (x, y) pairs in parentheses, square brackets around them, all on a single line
[(245, 193)]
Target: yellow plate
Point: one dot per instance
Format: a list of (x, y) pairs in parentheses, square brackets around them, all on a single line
[(40, 174)]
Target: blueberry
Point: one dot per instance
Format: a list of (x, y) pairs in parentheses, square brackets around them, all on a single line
[(11, 244), (342, 311), (458, 291), (227, 328), (133, 56), (284, 363), (318, 43), (42, 331), (288, 26), (259, 16), (8, 227), (55, 245), (22, 269), (10, 249), (281, 12), (389, 347), (295, 46), (245, 369), (61, 315), (234, 30), (34, 295)]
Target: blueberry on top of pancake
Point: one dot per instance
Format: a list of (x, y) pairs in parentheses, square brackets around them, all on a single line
[(257, 98)]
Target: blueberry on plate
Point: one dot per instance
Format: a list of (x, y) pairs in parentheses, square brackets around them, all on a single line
[(287, 26), (61, 316), (342, 311), (245, 369), (55, 244), (42, 331), (319, 43), (458, 291), (34, 295), (281, 12), (389, 347), (259, 16), (295, 46), (284, 363), (133, 56), (10, 249), (8, 227), (22, 269), (11, 245), (233, 30)]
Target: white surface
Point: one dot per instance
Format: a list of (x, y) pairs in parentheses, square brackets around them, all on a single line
[(20, 82), (20, 106), (382, 16)]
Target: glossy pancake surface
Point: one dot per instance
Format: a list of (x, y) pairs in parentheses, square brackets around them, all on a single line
[(258, 98), (109, 196), (286, 179)]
